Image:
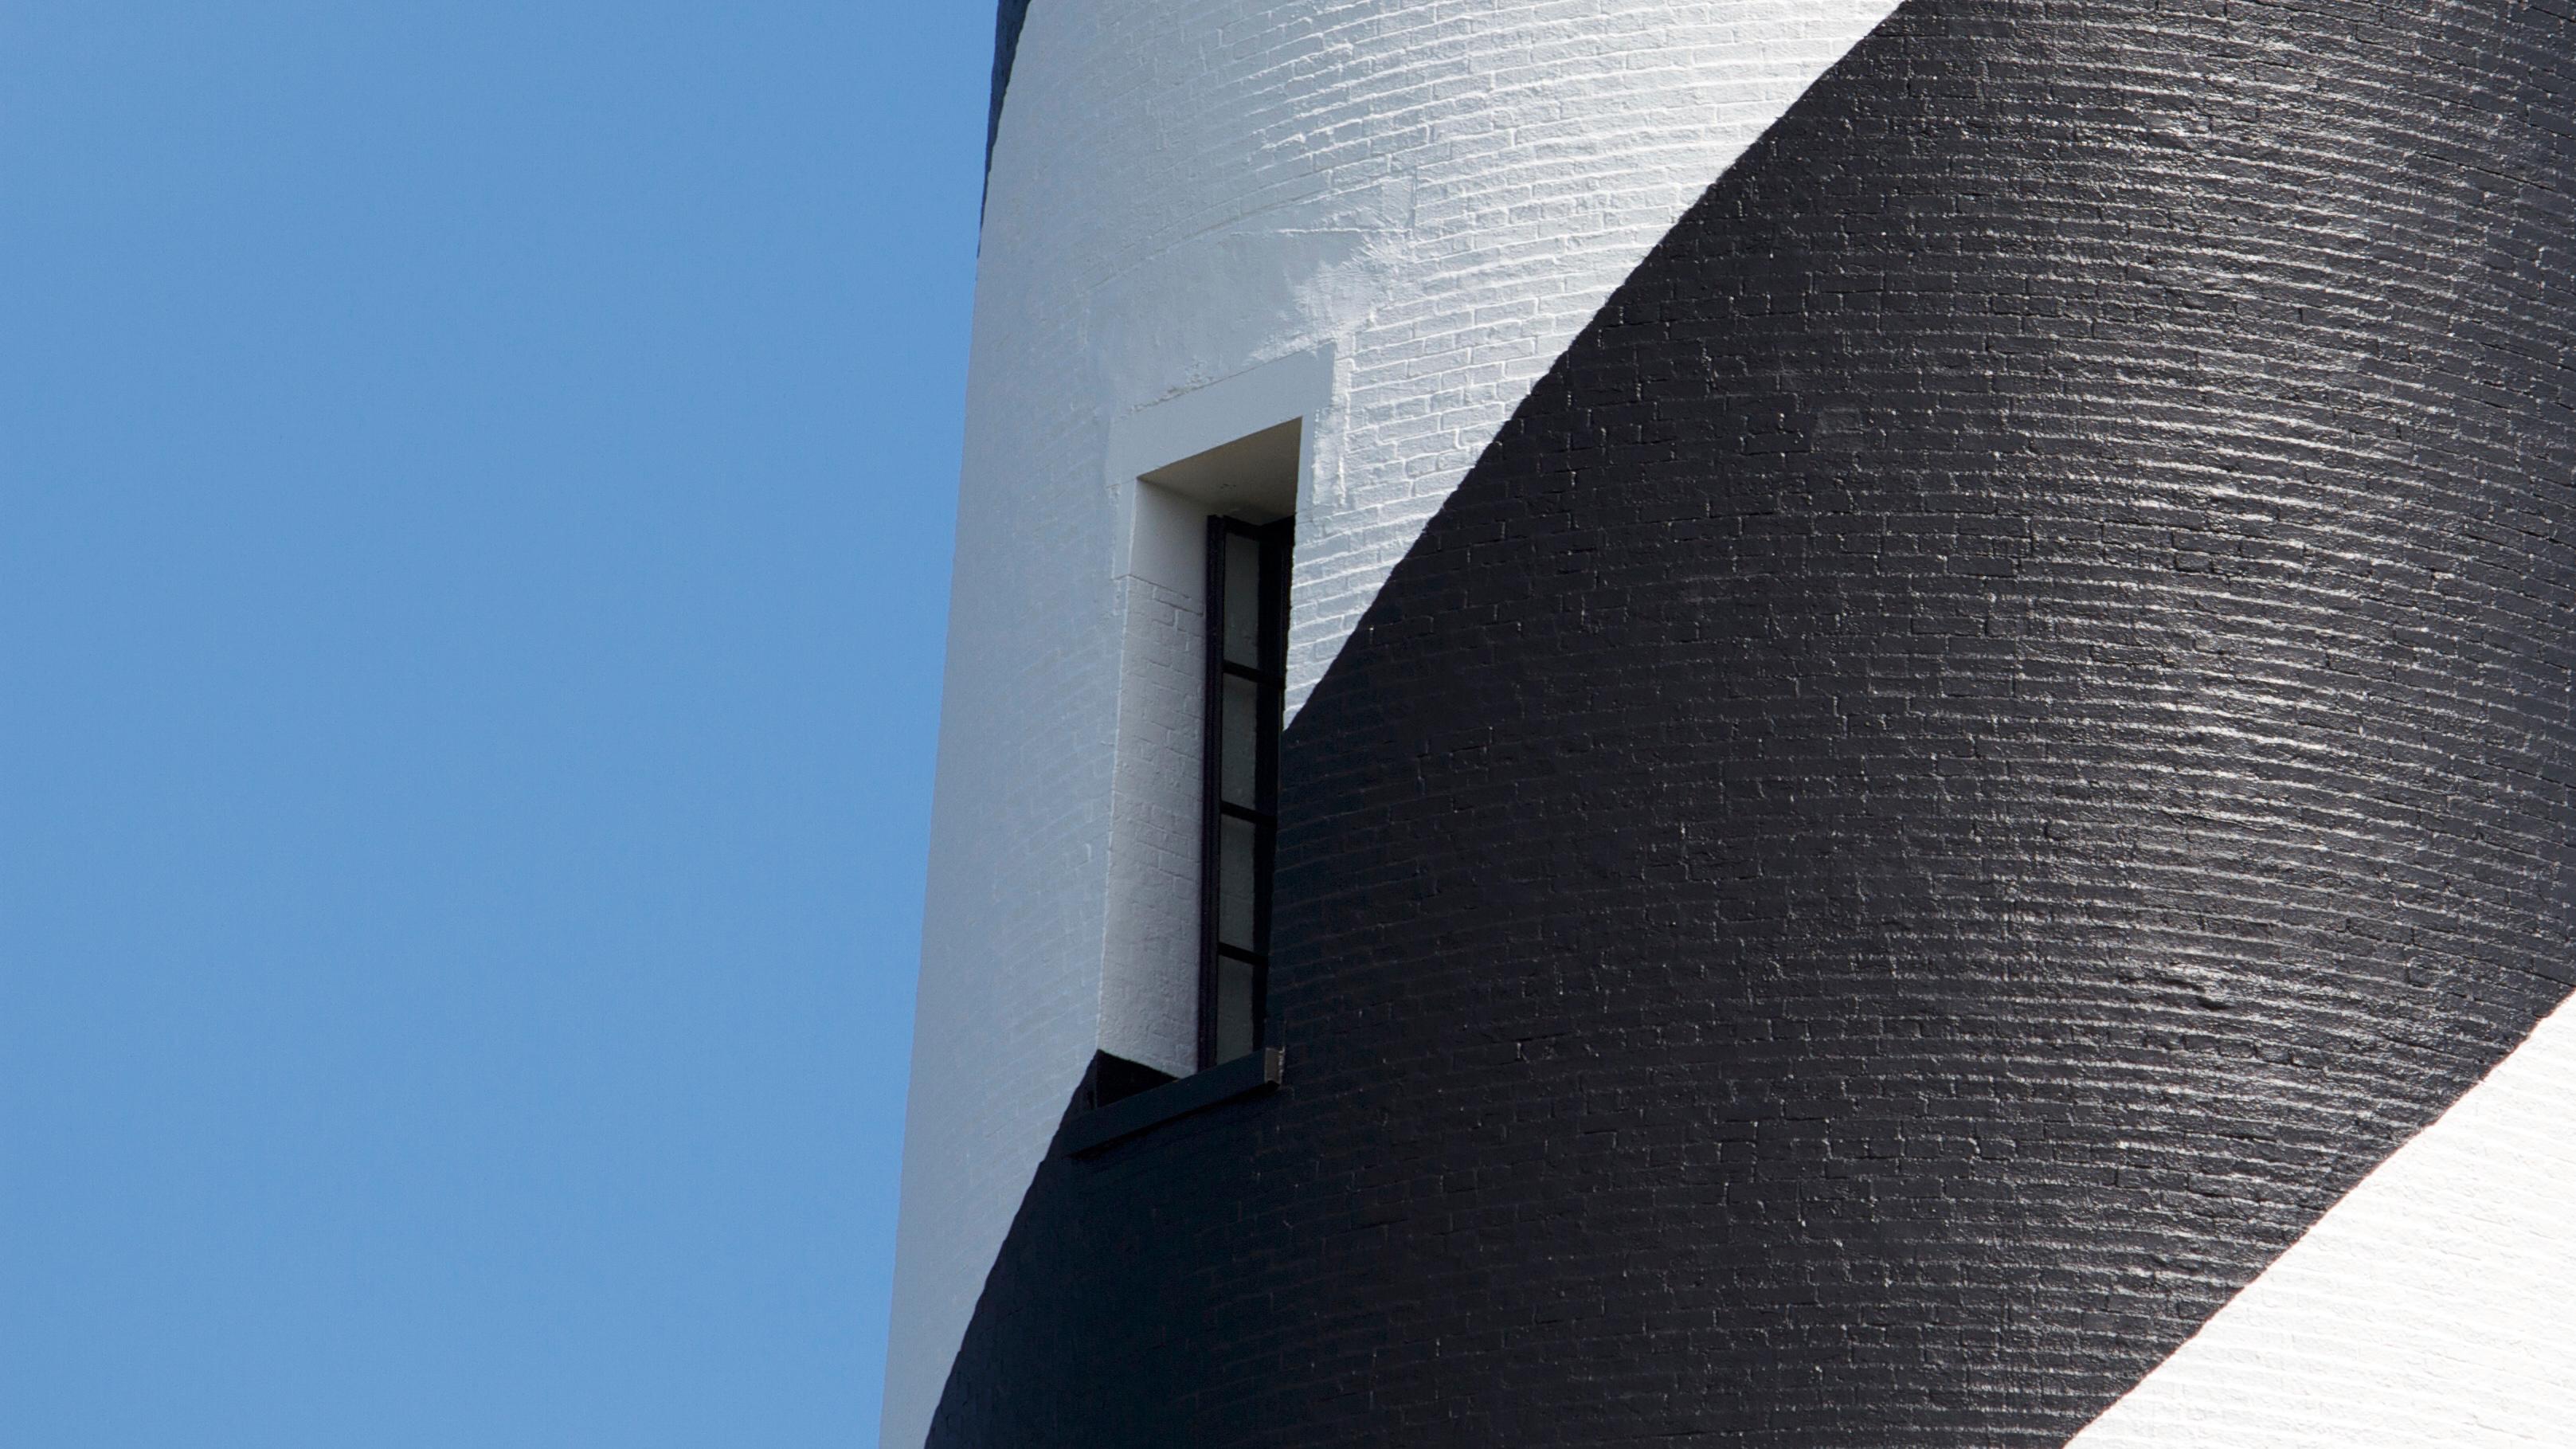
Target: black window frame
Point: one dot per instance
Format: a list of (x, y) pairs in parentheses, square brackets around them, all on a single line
[(1268, 675)]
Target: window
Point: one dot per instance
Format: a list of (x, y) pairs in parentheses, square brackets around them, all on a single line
[(1247, 679), (1185, 940)]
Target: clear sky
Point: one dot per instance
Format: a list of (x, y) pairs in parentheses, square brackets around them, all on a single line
[(475, 493)]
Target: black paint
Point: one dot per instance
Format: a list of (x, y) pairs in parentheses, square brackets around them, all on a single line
[(1109, 1080), (1008, 17), (1117, 1118), (1995, 734)]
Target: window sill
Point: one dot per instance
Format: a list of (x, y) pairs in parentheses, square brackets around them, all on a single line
[(1148, 1109)]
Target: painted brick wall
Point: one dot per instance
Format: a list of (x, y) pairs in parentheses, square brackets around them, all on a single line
[(2433, 1305), (1440, 194), (1993, 738)]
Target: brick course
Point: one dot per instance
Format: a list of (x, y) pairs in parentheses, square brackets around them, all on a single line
[(1992, 736), (1440, 195)]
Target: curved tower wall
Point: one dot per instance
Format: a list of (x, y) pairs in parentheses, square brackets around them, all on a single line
[(1383, 218), (1917, 752)]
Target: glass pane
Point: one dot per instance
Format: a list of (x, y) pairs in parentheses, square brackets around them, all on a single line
[(1243, 599), (1234, 884), (1233, 1009), (1239, 742)]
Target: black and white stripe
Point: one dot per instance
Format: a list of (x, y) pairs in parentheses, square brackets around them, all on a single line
[(1993, 738)]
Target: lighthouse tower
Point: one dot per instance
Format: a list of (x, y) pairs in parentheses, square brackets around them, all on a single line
[(1758, 723)]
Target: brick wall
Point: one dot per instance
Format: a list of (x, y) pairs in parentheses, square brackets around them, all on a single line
[(1993, 737), (1436, 195)]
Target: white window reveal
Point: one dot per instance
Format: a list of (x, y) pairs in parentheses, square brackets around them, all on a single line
[(1203, 686)]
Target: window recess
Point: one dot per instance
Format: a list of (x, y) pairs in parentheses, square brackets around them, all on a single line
[(1186, 938)]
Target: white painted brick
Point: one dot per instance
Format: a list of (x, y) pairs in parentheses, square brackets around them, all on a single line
[(2435, 1304), (1442, 194)]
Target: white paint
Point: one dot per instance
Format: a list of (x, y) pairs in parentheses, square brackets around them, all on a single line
[(1149, 961), (1434, 196), (2436, 1304)]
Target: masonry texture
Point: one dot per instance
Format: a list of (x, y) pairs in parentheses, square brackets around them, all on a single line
[(1993, 736), (1414, 209)]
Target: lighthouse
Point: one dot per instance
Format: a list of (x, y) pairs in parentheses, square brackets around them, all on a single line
[(1758, 723)]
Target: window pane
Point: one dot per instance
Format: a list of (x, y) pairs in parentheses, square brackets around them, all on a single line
[(1239, 740), (1243, 737), (1243, 599), (1233, 1009), (1234, 884)]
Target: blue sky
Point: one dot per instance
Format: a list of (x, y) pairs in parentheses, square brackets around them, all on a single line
[(475, 492)]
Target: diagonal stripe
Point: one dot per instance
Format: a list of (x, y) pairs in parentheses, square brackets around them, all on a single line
[(1010, 17), (1438, 196), (2434, 1305), (1446, 194), (1991, 739)]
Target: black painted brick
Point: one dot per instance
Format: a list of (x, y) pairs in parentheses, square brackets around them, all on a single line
[(1995, 734)]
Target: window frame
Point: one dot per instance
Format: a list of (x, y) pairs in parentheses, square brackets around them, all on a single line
[(1274, 544)]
